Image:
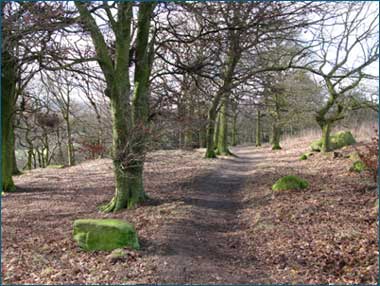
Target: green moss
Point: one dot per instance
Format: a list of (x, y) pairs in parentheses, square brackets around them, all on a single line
[(56, 166), (276, 147), (104, 234), (341, 139), (303, 157), (290, 183), (306, 155), (337, 141), (358, 167), (316, 145)]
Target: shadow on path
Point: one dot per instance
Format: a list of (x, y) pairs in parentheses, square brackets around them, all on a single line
[(208, 246)]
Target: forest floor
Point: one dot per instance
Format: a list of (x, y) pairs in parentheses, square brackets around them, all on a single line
[(207, 221)]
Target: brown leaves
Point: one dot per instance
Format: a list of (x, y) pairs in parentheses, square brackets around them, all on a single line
[(326, 234)]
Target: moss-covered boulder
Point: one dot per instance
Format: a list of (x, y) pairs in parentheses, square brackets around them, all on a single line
[(337, 141), (358, 166), (290, 183), (341, 139), (104, 234)]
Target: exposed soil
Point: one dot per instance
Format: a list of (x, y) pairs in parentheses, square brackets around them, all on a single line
[(208, 221)]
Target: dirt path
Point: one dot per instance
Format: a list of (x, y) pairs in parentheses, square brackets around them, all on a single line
[(209, 246)]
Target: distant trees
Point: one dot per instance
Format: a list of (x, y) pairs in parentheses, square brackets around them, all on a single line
[(23, 24), (340, 50), (208, 74)]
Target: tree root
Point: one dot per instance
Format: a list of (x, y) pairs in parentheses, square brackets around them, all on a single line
[(110, 207)]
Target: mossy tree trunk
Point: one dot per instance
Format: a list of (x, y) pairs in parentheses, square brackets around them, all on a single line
[(276, 134), (216, 132), (326, 131), (325, 119), (233, 59), (211, 121), (140, 102), (258, 128), (222, 145), (130, 121), (8, 93)]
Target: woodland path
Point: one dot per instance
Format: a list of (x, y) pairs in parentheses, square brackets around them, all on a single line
[(208, 221), (209, 246)]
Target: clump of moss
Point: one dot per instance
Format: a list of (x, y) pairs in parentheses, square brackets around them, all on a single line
[(358, 167), (306, 155), (290, 183), (303, 157), (316, 146)]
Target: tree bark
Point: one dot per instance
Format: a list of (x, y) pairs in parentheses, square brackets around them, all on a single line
[(234, 141), (258, 128), (15, 170), (211, 120), (326, 131), (70, 146), (276, 134), (8, 93), (130, 125), (222, 144)]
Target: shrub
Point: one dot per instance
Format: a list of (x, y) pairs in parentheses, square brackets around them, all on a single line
[(92, 150)]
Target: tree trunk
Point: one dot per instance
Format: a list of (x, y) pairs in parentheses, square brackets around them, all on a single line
[(234, 127), (202, 137), (8, 78), (60, 151), (70, 146), (30, 158), (189, 136), (326, 130), (121, 122), (46, 150), (222, 145), (130, 128), (15, 170), (258, 128), (211, 120), (216, 132), (276, 133)]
